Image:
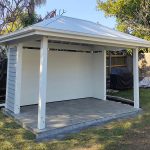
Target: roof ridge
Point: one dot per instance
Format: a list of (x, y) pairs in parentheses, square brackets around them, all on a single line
[(98, 24), (112, 31), (108, 28), (54, 20)]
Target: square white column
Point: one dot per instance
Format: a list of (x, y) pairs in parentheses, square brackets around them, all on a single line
[(136, 78), (18, 78), (42, 83), (104, 74), (8, 62)]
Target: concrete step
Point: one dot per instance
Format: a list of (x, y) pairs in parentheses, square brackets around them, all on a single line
[(65, 131)]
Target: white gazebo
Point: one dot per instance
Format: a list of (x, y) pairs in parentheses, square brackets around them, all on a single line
[(62, 58)]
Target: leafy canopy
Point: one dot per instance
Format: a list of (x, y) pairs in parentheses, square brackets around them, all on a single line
[(16, 14), (133, 16)]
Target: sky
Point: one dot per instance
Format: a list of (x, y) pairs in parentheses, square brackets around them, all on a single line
[(83, 9)]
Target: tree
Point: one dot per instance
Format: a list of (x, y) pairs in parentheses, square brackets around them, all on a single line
[(30, 17), (133, 16), (10, 11), (15, 14), (32, 4)]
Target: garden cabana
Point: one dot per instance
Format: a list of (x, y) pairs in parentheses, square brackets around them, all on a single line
[(61, 59)]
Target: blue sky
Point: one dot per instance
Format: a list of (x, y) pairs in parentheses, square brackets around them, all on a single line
[(83, 9)]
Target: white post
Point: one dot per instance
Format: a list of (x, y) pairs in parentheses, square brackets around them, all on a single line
[(42, 83), (18, 78), (105, 88), (6, 99), (136, 78)]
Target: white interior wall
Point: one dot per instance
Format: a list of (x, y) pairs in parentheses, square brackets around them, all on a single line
[(70, 76), (30, 77), (98, 76)]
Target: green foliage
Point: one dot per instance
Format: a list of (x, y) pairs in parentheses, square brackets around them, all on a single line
[(133, 16), (27, 19), (31, 9), (16, 14)]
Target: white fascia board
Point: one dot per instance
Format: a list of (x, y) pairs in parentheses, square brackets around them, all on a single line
[(92, 38), (88, 40), (17, 35), (82, 37)]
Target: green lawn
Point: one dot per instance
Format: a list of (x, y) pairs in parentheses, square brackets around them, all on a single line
[(126, 134), (125, 94)]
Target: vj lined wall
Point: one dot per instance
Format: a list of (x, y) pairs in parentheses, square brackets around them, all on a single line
[(11, 78), (71, 75)]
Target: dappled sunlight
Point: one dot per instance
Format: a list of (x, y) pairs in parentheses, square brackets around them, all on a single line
[(138, 128), (7, 145), (131, 133), (127, 125), (93, 147), (1, 124), (120, 124)]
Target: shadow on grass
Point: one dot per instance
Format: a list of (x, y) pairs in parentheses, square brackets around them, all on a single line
[(93, 138), (119, 135), (137, 136)]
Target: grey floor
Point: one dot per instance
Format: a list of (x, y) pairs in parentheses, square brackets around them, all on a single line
[(65, 113)]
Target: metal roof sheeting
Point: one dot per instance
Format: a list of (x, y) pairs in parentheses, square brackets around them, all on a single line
[(82, 26), (62, 26)]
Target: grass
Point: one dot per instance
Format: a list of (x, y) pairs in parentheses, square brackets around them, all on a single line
[(125, 94), (126, 134)]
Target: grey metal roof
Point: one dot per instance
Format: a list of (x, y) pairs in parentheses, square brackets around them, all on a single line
[(82, 26), (73, 28)]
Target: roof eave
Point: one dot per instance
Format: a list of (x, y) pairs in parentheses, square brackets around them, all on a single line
[(17, 35), (93, 38)]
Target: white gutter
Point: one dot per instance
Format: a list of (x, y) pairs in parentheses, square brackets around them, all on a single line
[(93, 38), (16, 34)]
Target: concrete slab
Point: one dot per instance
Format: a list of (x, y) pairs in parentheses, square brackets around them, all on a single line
[(71, 116)]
